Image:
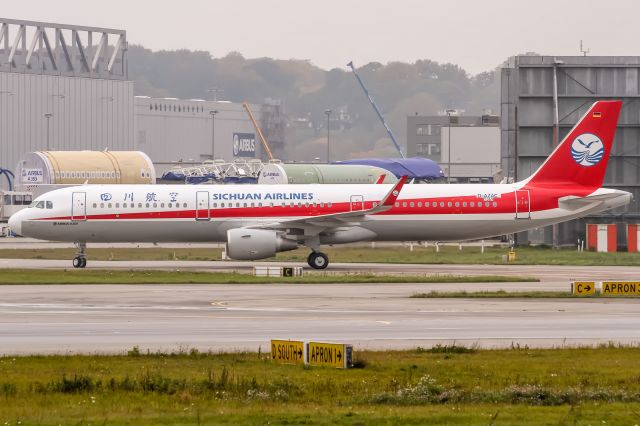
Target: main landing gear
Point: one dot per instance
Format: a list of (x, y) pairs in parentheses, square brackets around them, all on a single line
[(318, 260), (80, 261)]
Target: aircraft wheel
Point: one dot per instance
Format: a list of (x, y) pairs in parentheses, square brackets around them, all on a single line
[(318, 260), (77, 262), (84, 262)]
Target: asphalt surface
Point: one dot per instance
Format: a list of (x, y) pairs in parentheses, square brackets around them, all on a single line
[(114, 318)]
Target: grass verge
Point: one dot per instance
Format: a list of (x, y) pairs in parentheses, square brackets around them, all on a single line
[(110, 276), (350, 254), (443, 385)]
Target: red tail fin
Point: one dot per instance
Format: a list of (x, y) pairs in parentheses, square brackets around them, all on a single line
[(582, 156)]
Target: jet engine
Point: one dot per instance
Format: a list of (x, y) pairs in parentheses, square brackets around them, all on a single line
[(254, 244)]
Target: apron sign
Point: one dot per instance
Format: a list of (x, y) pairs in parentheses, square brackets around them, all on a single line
[(583, 288), (330, 354), (287, 351), (621, 287)]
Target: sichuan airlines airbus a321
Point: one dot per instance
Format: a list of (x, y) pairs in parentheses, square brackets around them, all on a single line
[(257, 221)]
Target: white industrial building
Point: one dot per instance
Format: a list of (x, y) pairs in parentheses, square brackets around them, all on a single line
[(62, 88), (174, 131), (466, 147), (65, 87)]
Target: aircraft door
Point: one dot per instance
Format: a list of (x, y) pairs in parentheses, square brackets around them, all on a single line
[(523, 208), (78, 206), (357, 203), (202, 205)]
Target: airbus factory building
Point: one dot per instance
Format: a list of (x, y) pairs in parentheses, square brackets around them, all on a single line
[(66, 87)]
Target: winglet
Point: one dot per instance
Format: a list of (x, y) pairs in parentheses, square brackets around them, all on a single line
[(392, 195)]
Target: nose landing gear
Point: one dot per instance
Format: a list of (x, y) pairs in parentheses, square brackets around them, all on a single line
[(318, 260), (80, 261)]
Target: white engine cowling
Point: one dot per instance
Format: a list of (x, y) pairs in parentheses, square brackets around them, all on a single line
[(254, 244)]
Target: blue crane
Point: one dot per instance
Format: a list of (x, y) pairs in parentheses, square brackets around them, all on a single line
[(377, 110)]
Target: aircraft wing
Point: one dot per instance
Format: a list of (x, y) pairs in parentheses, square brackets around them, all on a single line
[(316, 224)]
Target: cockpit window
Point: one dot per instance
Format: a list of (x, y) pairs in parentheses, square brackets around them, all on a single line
[(49, 204), (39, 204)]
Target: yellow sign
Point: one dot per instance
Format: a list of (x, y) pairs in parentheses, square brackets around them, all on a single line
[(584, 288), (621, 287), (330, 354), (287, 351)]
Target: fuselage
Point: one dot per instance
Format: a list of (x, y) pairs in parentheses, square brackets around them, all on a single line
[(185, 213)]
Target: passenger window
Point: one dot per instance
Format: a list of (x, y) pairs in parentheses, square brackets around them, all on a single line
[(184, 205), (147, 205), (441, 203), (237, 204), (495, 204), (464, 204), (419, 203), (49, 204), (139, 205), (117, 205), (472, 204), (486, 204), (411, 204), (404, 204), (102, 205), (109, 205), (222, 205), (457, 204), (449, 204), (155, 205), (95, 205), (162, 205), (245, 205), (426, 204), (329, 205)]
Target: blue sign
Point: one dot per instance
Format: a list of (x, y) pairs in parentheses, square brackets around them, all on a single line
[(244, 145)]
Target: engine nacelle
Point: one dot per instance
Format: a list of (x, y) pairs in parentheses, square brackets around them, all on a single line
[(254, 244)]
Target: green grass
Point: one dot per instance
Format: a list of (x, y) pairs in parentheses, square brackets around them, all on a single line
[(502, 294), (110, 276), (469, 255), (350, 254), (497, 294), (444, 385)]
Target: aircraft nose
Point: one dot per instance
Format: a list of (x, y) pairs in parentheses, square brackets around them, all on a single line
[(15, 223)]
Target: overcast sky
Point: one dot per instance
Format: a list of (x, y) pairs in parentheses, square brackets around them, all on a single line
[(475, 34)]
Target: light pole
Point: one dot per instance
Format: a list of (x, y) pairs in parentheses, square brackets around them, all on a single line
[(48, 116), (213, 113), (215, 92), (449, 112), (328, 112)]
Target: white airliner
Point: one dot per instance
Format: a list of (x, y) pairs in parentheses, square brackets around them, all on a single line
[(257, 221)]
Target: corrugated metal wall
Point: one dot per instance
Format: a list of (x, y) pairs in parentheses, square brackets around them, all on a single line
[(527, 123), (87, 113)]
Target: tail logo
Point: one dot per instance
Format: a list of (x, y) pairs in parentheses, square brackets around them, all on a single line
[(587, 149)]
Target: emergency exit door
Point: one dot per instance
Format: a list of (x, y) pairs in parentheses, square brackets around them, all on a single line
[(357, 203), (79, 206), (202, 205), (523, 208)]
